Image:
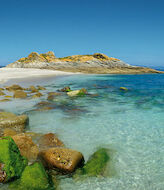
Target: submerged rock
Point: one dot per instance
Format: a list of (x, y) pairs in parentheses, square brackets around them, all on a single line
[(62, 159), (37, 95), (49, 140), (33, 89), (12, 163), (14, 87), (26, 146), (41, 88), (2, 93), (81, 92), (65, 89), (20, 94), (5, 100), (123, 89), (12, 121), (34, 177), (96, 165)]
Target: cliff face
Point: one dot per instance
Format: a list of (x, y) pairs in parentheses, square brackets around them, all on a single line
[(96, 63)]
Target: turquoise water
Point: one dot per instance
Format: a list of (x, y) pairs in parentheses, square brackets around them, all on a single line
[(131, 123)]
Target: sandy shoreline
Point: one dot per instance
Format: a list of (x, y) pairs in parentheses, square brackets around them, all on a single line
[(16, 73)]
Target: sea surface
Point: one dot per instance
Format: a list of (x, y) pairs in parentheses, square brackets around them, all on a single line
[(131, 123)]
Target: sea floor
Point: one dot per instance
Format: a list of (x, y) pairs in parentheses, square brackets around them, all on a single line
[(131, 123)]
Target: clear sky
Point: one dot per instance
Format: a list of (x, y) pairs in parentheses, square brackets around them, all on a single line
[(131, 30)]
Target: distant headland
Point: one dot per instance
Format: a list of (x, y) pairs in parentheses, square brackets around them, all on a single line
[(97, 63)]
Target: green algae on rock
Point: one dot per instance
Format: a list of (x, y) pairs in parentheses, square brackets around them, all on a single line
[(81, 92), (11, 160), (96, 165), (34, 177)]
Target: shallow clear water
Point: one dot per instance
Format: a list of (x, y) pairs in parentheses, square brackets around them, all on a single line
[(131, 123)]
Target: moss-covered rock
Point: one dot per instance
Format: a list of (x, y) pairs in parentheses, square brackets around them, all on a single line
[(34, 177), (65, 89), (81, 92), (96, 165), (12, 163)]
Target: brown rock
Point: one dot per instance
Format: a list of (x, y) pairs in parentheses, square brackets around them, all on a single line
[(12, 121), (63, 159), (33, 89), (54, 94), (1, 89), (41, 88), (49, 140), (20, 94), (8, 96), (26, 146), (43, 103), (5, 100), (2, 93), (65, 89), (37, 95), (2, 173), (9, 132), (14, 87)]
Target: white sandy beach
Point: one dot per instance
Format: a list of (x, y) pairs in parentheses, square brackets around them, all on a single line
[(15, 73)]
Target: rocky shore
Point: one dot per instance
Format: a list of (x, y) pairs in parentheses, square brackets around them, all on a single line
[(97, 63), (33, 161)]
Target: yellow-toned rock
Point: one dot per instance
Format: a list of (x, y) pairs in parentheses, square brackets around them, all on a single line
[(20, 94), (2, 93), (9, 132), (49, 140), (33, 89), (12, 121), (41, 88), (14, 87), (63, 159), (37, 95), (26, 146), (5, 100), (123, 88)]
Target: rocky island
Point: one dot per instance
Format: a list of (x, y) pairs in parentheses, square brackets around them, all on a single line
[(97, 63)]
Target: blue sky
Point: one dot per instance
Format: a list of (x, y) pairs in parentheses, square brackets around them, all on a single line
[(132, 30)]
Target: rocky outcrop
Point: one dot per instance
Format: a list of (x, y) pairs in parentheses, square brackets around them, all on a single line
[(96, 63)]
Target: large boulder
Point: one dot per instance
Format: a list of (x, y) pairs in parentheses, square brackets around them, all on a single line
[(96, 165), (26, 146), (49, 140), (20, 94), (62, 159), (34, 177), (11, 162), (12, 121)]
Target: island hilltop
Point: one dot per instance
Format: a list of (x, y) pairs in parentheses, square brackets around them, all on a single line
[(97, 63)]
